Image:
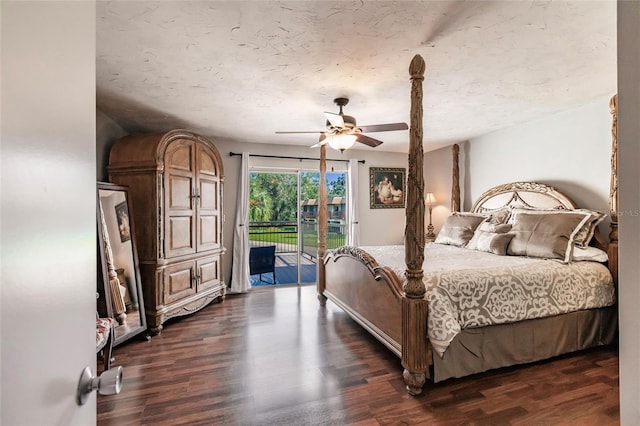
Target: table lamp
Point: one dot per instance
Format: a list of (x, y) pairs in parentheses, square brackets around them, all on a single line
[(429, 200)]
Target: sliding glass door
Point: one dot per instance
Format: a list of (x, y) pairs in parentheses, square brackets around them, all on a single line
[(273, 222), (283, 212)]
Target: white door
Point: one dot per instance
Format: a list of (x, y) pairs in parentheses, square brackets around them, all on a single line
[(47, 222)]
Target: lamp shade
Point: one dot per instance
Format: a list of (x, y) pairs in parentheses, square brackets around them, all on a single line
[(429, 198), (342, 142)]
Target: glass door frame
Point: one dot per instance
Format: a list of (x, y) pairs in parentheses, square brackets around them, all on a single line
[(289, 171), (298, 171)]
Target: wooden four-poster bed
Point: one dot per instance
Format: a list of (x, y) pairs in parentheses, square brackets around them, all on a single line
[(394, 305)]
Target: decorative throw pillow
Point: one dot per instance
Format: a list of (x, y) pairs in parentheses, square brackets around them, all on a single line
[(584, 235), (486, 227), (492, 242), (549, 236), (498, 216), (458, 229)]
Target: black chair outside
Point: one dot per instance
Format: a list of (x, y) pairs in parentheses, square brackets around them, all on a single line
[(262, 260)]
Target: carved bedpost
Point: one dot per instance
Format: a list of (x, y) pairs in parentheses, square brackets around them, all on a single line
[(322, 223), (414, 228), (455, 180), (414, 307), (612, 249)]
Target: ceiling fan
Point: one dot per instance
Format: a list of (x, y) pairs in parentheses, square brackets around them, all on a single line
[(342, 132)]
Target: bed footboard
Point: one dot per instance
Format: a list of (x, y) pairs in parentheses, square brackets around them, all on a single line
[(369, 293), (372, 295)]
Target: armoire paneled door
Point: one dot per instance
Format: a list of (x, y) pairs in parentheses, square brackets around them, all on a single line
[(176, 182)]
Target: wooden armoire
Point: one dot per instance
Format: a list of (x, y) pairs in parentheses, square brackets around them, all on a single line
[(175, 181)]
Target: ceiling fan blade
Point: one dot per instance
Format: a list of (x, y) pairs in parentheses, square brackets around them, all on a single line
[(383, 127), (336, 120), (321, 141), (304, 131), (368, 140)]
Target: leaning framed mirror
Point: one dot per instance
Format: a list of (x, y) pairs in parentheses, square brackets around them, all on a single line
[(119, 285)]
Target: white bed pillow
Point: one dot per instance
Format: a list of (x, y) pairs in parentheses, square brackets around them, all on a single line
[(591, 254)]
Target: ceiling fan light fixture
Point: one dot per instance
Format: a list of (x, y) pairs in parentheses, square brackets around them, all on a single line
[(342, 131), (341, 142)]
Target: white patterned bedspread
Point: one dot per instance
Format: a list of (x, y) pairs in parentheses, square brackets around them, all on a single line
[(469, 288)]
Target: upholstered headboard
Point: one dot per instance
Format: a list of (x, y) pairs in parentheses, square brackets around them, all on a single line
[(525, 194)]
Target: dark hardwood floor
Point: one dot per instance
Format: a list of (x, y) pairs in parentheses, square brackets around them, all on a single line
[(274, 357)]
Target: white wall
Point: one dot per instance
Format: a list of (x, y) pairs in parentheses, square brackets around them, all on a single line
[(48, 223), (629, 209), (570, 150), (107, 132), (438, 173)]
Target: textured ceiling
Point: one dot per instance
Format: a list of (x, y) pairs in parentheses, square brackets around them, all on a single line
[(241, 70)]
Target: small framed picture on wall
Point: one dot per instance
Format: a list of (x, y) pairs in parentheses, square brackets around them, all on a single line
[(386, 187)]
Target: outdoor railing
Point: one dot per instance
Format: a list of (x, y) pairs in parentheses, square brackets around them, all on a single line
[(284, 235), (336, 237)]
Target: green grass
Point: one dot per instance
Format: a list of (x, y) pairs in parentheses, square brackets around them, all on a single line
[(310, 239), (274, 235)]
